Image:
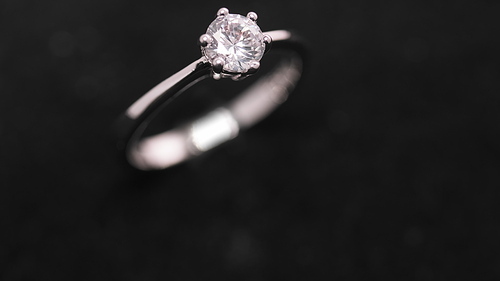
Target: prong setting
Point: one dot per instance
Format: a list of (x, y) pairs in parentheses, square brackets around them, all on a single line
[(218, 64), (204, 40), (254, 67), (223, 12), (268, 41), (253, 16), (228, 59), (216, 76)]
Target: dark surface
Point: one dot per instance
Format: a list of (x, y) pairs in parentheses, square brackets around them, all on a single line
[(384, 165)]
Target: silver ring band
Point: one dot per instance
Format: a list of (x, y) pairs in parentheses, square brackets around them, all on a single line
[(176, 145)]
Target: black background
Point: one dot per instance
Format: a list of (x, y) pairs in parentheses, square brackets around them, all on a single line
[(383, 165)]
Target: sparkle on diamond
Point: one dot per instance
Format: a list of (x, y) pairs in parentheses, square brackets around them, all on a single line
[(238, 39)]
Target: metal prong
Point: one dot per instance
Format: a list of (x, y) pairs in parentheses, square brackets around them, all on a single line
[(254, 66), (217, 64), (216, 76), (204, 40), (252, 15), (268, 40), (223, 12)]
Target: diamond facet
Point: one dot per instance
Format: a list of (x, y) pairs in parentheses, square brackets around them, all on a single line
[(238, 40)]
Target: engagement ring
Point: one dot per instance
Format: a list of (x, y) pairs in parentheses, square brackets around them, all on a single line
[(232, 47)]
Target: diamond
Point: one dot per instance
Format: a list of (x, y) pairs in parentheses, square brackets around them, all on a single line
[(237, 39)]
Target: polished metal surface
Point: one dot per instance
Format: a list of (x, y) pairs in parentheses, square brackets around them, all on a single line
[(223, 12), (253, 16), (204, 40)]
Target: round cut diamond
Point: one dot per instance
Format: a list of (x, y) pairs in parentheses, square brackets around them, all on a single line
[(237, 39)]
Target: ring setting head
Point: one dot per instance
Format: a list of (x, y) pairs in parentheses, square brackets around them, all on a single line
[(234, 44)]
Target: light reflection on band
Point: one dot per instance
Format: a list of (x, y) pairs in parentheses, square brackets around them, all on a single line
[(213, 129)]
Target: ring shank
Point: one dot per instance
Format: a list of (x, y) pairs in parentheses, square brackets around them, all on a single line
[(222, 124)]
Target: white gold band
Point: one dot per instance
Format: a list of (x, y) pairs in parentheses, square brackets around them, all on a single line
[(176, 145)]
